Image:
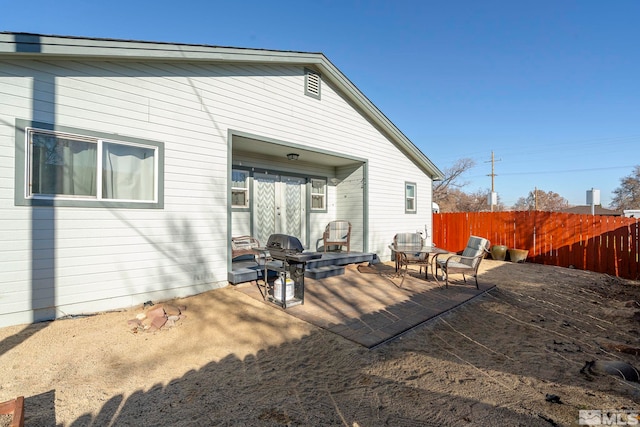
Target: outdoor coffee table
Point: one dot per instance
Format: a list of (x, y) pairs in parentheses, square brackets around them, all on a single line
[(406, 255)]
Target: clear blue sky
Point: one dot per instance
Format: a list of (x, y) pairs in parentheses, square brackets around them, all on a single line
[(551, 86)]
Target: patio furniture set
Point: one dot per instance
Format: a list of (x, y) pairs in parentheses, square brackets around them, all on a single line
[(283, 256), (410, 249)]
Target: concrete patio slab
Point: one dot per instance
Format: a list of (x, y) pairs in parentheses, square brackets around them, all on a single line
[(367, 306)]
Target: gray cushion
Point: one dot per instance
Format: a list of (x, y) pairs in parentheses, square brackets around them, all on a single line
[(475, 246)]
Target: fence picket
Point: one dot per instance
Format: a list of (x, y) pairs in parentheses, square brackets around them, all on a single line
[(597, 243)]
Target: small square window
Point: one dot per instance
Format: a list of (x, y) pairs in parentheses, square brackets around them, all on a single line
[(239, 189), (410, 197), (318, 194)]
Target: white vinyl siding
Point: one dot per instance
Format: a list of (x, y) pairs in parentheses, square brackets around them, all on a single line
[(88, 259), (350, 190)]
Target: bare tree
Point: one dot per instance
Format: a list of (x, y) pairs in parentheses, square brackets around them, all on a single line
[(542, 201), (627, 196), (477, 201), (447, 193)]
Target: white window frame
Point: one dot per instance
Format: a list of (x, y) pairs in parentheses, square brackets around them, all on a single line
[(322, 196), (244, 189), (410, 199), (29, 131)]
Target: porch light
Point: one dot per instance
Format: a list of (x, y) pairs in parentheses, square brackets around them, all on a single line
[(293, 156)]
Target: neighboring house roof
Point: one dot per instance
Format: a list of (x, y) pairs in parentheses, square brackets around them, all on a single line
[(586, 210), (28, 44)]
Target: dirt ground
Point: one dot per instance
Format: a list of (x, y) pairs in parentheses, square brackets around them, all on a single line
[(511, 357)]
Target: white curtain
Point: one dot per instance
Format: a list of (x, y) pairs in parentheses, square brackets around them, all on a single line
[(127, 172), (63, 166), (80, 159)]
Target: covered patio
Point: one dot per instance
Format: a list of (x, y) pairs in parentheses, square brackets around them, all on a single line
[(365, 304)]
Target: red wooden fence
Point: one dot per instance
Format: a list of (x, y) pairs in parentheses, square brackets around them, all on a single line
[(604, 244)]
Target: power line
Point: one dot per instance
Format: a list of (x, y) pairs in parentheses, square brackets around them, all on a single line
[(568, 170), (614, 144), (492, 174), (558, 171)]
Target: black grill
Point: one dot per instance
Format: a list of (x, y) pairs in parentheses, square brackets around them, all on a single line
[(283, 244), (290, 262), (284, 247)]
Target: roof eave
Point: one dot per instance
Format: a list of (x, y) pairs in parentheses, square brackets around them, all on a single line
[(357, 97), (29, 44)]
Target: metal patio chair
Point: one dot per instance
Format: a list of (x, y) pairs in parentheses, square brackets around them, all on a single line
[(407, 250), (466, 263), (244, 245)]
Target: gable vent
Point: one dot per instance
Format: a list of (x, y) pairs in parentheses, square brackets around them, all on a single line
[(312, 83)]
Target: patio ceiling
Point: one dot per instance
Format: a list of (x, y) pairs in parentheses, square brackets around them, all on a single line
[(258, 148)]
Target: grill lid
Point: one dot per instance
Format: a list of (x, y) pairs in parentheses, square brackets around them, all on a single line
[(284, 242)]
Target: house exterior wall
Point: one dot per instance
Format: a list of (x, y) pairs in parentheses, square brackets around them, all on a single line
[(388, 173), (70, 260), (349, 203), (57, 261)]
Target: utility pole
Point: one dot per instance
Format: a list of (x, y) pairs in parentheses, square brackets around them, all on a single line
[(493, 199)]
